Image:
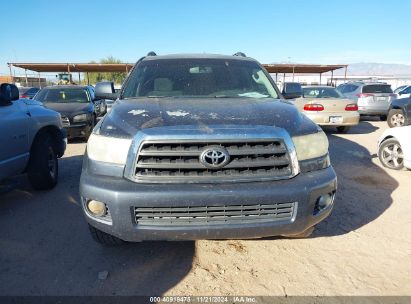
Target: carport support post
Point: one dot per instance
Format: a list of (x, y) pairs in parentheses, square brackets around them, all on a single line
[(79, 78), (39, 81), (332, 75), (88, 80), (25, 72), (320, 77), (293, 72), (345, 74), (11, 73)]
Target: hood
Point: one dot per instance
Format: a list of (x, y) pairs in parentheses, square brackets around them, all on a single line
[(31, 102), (400, 133), (69, 109), (131, 115)]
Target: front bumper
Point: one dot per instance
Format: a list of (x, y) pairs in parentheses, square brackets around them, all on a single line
[(367, 110), (78, 130), (122, 195)]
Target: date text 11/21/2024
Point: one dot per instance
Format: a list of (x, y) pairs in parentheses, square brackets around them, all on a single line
[(203, 299)]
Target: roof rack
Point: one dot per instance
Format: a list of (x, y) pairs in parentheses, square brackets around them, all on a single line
[(151, 53), (240, 54), (367, 80)]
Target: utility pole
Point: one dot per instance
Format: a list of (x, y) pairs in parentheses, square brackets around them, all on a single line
[(11, 73), (27, 82)]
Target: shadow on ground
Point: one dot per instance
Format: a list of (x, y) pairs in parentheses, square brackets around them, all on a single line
[(46, 248), (363, 128), (364, 189)]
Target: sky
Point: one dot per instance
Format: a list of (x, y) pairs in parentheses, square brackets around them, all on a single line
[(324, 32)]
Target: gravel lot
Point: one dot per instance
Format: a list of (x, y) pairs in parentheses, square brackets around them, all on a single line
[(363, 248)]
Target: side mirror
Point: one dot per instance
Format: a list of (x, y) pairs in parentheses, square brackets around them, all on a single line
[(8, 93), (105, 90), (292, 90)]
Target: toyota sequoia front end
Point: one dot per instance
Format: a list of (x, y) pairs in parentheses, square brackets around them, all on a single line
[(203, 147)]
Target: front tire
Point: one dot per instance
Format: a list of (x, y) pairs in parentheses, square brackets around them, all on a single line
[(396, 118), (391, 155), (42, 170), (104, 238)]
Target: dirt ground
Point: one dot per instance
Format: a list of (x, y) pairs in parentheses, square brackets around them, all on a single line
[(363, 248)]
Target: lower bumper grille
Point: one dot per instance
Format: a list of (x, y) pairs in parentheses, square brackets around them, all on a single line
[(214, 215)]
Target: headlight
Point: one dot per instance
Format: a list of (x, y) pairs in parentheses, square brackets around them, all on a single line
[(311, 146), (79, 118), (108, 149)]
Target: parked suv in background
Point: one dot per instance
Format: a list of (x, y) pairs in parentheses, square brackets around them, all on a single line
[(203, 147), (78, 106), (32, 138), (372, 98)]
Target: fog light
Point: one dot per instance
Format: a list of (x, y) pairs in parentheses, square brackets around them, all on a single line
[(323, 202), (97, 208)]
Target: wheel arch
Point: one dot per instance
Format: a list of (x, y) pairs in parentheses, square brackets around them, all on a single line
[(386, 137), (57, 136)]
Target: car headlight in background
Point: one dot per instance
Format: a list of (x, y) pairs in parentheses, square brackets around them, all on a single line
[(80, 118), (108, 149), (311, 146)]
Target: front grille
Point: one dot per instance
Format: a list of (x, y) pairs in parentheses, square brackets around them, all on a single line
[(179, 162), (214, 215), (65, 121)]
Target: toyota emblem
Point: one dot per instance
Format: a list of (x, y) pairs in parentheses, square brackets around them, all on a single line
[(214, 157)]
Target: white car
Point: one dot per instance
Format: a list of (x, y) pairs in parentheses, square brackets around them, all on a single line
[(395, 148)]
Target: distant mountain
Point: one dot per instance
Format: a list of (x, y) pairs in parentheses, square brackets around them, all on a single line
[(376, 69)]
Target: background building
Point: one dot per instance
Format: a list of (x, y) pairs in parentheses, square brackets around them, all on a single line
[(23, 81)]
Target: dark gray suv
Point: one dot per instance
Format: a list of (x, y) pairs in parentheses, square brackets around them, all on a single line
[(203, 147)]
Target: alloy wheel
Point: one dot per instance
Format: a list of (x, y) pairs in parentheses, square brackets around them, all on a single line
[(398, 120), (392, 156)]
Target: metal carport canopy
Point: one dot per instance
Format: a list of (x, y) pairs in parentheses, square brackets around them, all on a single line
[(302, 68), (125, 67), (74, 67)]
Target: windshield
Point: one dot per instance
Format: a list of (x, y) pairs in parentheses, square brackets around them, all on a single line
[(23, 90), (399, 89), (199, 78), (63, 95), (321, 92)]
